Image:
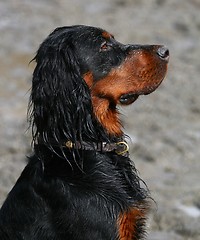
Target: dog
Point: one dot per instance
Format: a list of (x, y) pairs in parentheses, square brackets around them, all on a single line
[(80, 183)]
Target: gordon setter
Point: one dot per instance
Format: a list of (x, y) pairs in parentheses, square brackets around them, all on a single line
[(80, 184)]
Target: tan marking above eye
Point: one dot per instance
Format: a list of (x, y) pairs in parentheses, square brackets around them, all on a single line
[(106, 35)]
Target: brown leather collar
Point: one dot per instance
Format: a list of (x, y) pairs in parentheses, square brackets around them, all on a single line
[(121, 147)]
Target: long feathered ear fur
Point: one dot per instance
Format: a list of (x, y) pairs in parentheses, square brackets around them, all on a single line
[(60, 102)]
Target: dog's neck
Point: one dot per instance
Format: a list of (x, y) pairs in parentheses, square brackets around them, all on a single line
[(68, 159), (104, 109), (107, 115)]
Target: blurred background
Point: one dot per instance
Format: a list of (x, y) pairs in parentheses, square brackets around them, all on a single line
[(164, 126)]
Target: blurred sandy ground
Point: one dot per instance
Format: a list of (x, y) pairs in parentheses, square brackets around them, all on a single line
[(164, 126)]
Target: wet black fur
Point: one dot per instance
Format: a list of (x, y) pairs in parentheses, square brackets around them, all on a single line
[(65, 194)]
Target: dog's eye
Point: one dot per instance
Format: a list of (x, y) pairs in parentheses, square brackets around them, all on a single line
[(105, 46)]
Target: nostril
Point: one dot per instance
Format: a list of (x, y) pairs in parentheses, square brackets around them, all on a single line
[(163, 53)]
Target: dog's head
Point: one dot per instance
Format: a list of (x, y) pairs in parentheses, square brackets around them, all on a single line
[(82, 73)]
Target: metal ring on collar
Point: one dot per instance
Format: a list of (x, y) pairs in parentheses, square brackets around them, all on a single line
[(125, 150)]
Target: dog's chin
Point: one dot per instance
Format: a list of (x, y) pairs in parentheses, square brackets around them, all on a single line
[(128, 98)]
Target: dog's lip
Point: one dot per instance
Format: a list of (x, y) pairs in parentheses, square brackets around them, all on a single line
[(128, 98), (131, 97), (150, 89)]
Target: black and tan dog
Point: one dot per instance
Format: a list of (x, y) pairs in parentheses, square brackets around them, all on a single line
[(80, 184)]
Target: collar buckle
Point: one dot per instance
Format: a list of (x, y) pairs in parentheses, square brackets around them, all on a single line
[(122, 149)]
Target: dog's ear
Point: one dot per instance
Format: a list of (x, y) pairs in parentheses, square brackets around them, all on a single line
[(60, 102)]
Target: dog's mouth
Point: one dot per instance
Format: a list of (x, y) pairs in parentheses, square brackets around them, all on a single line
[(131, 97), (128, 98)]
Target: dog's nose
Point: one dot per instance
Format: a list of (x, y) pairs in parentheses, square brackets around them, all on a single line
[(163, 53)]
